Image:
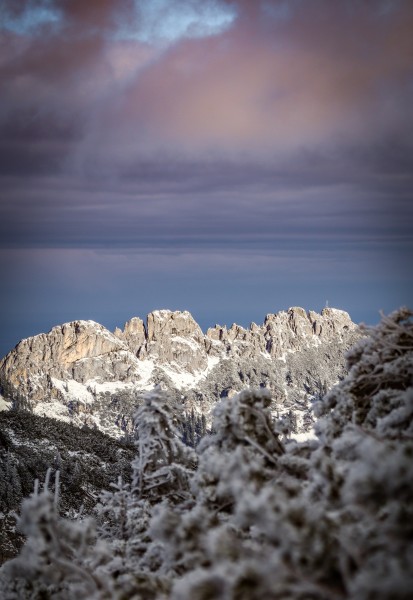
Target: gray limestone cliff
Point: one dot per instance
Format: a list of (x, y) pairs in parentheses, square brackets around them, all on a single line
[(83, 373)]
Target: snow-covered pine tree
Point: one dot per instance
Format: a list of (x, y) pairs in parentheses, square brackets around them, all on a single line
[(123, 524), (163, 465), (365, 472), (376, 394), (243, 451), (335, 520), (60, 558), (161, 472), (238, 458)]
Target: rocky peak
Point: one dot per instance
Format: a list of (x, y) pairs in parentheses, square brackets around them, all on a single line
[(291, 329), (169, 337), (334, 321), (168, 323), (81, 364), (71, 351), (299, 323), (134, 335), (55, 353), (175, 337), (285, 331)]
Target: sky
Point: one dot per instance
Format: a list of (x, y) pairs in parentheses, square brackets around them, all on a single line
[(232, 158)]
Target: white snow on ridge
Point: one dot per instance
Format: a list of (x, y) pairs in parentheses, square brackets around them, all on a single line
[(212, 362), (53, 409), (4, 404), (73, 390), (146, 368), (108, 386), (183, 379)]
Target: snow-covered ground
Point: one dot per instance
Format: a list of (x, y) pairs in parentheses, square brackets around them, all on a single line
[(4, 404), (184, 380)]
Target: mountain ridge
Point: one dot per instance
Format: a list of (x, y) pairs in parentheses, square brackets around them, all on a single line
[(83, 373)]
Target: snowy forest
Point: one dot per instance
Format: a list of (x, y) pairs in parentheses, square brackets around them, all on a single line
[(250, 513)]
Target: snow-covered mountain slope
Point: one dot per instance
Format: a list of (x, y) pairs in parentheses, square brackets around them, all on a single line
[(82, 373)]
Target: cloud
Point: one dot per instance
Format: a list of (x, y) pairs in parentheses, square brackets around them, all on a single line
[(285, 76), (163, 21), (283, 139), (219, 205), (324, 78), (92, 17)]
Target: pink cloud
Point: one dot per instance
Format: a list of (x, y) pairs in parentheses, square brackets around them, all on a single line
[(263, 86), (266, 87)]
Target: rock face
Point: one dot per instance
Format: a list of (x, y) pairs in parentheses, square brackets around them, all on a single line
[(282, 332), (83, 373), (79, 351), (134, 335), (175, 338)]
